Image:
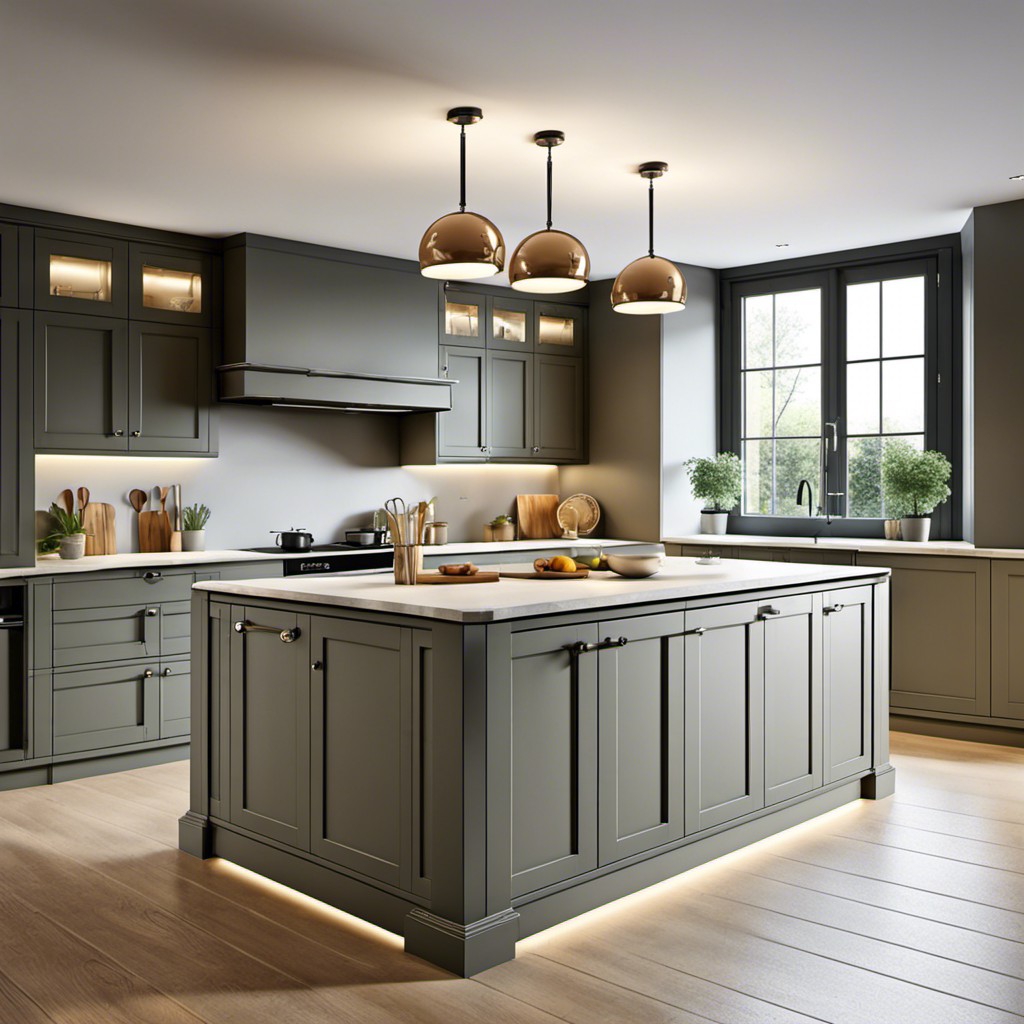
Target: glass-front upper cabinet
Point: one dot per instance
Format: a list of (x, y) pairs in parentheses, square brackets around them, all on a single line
[(80, 274), (169, 285), (463, 316), (510, 324), (559, 329)]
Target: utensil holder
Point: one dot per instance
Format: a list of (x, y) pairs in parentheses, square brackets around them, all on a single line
[(408, 562)]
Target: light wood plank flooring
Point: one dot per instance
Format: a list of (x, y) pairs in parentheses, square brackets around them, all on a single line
[(905, 910)]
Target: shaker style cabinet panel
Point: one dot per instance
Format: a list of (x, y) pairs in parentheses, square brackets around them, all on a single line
[(1007, 639), (462, 431), (724, 714), (640, 735), (78, 273), (361, 705), (462, 319), (9, 265), (175, 699), (553, 757), (269, 727), (169, 285), (17, 465), (81, 383), (792, 697), (940, 633), (558, 395), (509, 405), (170, 375), (847, 644)]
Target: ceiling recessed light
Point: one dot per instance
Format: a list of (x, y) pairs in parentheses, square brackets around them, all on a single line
[(1017, 177)]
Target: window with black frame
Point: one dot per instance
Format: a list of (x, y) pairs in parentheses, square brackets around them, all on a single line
[(824, 366)]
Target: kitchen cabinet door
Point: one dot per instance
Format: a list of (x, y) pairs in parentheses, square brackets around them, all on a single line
[(462, 431), (553, 756), (1007, 640), (462, 318), (510, 324), (847, 671), (81, 386), (640, 735), (175, 718), (558, 395), (170, 381), (509, 405), (8, 264), (79, 273), (169, 285), (105, 707), (792, 697), (17, 464), (724, 714), (269, 787), (361, 705), (559, 329), (941, 644)]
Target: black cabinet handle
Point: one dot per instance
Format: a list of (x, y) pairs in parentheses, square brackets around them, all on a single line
[(317, 666), (152, 576), (581, 647), (699, 631), (535, 449), (288, 636), (768, 613), (136, 433)]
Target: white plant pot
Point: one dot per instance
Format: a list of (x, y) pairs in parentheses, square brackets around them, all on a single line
[(72, 546), (714, 522), (193, 540), (915, 527)]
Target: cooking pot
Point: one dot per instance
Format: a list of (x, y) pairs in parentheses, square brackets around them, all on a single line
[(294, 539)]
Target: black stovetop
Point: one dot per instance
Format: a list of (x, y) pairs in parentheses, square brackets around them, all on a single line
[(321, 548)]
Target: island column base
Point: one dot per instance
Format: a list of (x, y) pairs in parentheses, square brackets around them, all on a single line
[(879, 784), (463, 949)]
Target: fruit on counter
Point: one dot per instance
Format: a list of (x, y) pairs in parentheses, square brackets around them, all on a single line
[(562, 563), (460, 569)]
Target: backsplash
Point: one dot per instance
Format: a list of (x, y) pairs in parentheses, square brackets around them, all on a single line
[(278, 468)]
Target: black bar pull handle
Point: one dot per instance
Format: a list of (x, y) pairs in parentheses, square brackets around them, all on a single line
[(581, 647)]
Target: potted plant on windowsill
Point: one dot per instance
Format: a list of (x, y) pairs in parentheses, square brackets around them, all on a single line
[(914, 483), (718, 482), (193, 527), (67, 535)]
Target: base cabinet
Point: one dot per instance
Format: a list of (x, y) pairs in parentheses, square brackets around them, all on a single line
[(1008, 639), (17, 465)]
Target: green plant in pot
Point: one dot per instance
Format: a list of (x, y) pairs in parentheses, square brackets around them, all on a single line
[(914, 483), (500, 528), (718, 482), (67, 535), (193, 527)]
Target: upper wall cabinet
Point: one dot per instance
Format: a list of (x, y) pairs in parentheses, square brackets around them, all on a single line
[(77, 273), (170, 286), (8, 264), (559, 329)]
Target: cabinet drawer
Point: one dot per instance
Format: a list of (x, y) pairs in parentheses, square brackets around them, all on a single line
[(174, 699), (93, 636), (104, 707), (126, 590)]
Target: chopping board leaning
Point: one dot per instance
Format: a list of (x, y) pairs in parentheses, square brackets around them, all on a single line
[(98, 522), (537, 515)]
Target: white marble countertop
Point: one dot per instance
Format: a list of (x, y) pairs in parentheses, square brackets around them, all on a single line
[(54, 565), (681, 578), (948, 548)]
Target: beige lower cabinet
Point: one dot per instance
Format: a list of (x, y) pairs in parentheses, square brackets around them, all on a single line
[(1008, 639)]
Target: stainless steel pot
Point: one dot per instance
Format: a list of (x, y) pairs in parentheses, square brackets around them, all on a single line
[(295, 539)]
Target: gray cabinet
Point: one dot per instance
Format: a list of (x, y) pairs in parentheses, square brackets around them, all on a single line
[(1007, 639), (462, 432), (553, 757), (724, 714), (640, 735), (940, 632), (462, 318), (510, 323), (175, 716), (80, 273), (269, 725), (509, 405), (559, 328), (792, 697), (17, 466), (847, 645), (170, 285), (361, 707), (107, 385), (8, 264), (559, 408)]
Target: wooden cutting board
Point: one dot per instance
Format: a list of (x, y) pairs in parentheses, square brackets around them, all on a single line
[(437, 577), (154, 532), (580, 574), (537, 515), (100, 534)]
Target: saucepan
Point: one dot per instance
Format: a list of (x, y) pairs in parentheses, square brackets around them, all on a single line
[(295, 539)]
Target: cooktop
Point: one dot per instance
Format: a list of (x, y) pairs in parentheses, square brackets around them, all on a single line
[(274, 549), (331, 558)]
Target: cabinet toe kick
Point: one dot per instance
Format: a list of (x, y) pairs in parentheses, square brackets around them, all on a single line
[(463, 949)]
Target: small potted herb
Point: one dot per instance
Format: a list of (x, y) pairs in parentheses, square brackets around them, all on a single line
[(500, 528), (67, 535), (718, 482), (193, 527), (914, 483)]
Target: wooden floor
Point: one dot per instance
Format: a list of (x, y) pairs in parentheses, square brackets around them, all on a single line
[(909, 909)]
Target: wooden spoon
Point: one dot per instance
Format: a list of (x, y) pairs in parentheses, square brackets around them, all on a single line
[(137, 499), (67, 499), (164, 491), (83, 499)]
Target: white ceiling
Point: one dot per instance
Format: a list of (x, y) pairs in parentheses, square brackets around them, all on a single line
[(822, 124)]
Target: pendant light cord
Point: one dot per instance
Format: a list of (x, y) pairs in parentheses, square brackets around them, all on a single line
[(462, 170), (650, 215), (549, 188)]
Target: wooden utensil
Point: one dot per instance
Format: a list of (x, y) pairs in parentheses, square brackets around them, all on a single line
[(150, 523), (537, 515), (165, 520), (67, 501), (83, 499), (137, 499), (437, 577)]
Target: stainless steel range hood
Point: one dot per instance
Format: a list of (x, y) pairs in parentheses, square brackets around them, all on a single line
[(313, 327)]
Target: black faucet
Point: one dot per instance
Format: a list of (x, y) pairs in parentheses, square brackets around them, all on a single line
[(805, 484)]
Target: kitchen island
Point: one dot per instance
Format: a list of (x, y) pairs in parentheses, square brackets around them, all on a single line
[(467, 765)]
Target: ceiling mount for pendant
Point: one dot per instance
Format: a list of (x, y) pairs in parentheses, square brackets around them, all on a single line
[(548, 262), (462, 246)]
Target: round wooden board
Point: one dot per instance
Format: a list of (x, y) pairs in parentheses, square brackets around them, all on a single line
[(589, 513)]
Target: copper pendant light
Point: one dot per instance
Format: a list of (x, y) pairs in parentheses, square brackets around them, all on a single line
[(548, 262), (650, 284), (462, 246)]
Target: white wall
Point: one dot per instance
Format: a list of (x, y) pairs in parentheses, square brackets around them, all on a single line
[(325, 471)]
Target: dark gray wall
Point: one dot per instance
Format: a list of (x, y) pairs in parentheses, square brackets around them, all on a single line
[(997, 341)]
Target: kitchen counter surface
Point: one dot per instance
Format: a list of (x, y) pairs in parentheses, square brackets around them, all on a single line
[(681, 578), (54, 565), (946, 548)]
